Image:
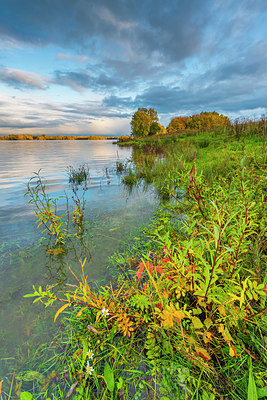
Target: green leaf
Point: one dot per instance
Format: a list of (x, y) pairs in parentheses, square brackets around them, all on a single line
[(120, 383), (216, 233), (197, 323), (197, 311), (109, 377), (262, 392), (30, 376), (208, 322), (26, 396), (252, 389)]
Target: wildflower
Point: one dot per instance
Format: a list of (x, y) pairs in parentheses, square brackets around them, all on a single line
[(105, 312), (89, 369), (90, 354)]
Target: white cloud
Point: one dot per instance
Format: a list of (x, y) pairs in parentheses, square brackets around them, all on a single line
[(22, 79)]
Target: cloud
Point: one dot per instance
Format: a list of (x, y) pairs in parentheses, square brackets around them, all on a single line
[(176, 56), (175, 100), (83, 79), (36, 117), (173, 30), (22, 79), (78, 81)]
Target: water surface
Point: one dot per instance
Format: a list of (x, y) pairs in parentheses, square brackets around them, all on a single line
[(112, 215)]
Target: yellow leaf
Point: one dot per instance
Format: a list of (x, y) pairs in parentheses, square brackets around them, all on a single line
[(80, 312), (1, 382), (203, 353), (167, 318), (179, 314), (83, 262), (231, 351), (60, 310), (225, 333), (221, 310), (207, 337), (165, 294), (255, 296)]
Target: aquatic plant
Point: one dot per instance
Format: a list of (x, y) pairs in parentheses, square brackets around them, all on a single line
[(55, 224), (80, 176)]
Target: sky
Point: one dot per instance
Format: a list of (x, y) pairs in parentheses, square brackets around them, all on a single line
[(84, 67)]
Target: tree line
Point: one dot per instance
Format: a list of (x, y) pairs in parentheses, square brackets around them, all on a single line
[(53, 137), (145, 122)]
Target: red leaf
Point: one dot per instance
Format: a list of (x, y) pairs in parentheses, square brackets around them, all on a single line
[(203, 353), (141, 267), (139, 274), (141, 270), (159, 269)]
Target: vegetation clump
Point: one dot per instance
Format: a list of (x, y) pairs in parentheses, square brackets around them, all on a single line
[(78, 176), (59, 226), (202, 121)]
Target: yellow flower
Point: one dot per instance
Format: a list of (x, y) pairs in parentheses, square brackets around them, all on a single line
[(105, 312), (90, 354), (89, 369)]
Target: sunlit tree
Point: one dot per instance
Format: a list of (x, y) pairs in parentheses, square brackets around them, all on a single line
[(204, 120), (142, 121)]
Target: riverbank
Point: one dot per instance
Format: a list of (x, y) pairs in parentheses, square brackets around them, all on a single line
[(185, 317), (55, 137)]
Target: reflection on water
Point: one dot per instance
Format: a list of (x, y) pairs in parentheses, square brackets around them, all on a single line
[(25, 259), (19, 159)]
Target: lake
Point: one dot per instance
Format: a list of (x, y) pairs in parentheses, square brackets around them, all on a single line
[(113, 214)]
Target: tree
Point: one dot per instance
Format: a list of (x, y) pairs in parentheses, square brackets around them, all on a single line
[(157, 129), (204, 120), (142, 121), (153, 115)]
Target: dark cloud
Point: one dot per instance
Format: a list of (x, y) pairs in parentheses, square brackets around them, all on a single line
[(173, 29), (82, 80), (153, 29), (169, 100)]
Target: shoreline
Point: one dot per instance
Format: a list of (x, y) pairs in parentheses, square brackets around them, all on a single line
[(54, 137)]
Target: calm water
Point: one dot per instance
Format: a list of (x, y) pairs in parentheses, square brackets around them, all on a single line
[(112, 215)]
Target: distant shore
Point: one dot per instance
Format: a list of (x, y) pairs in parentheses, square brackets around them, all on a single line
[(55, 137)]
